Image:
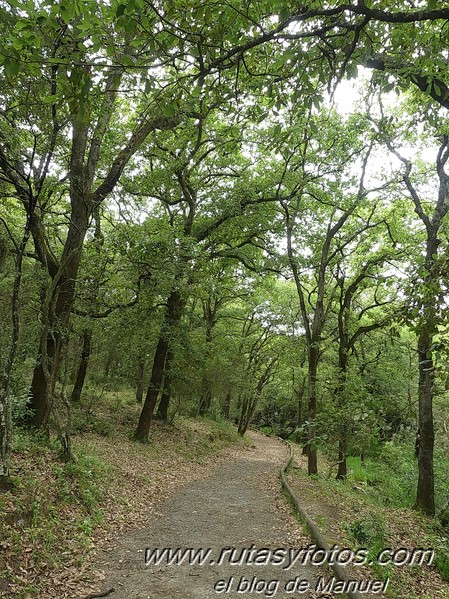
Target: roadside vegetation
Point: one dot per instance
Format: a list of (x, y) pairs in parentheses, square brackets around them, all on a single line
[(371, 509)]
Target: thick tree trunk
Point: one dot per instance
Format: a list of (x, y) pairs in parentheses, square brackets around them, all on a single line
[(82, 366), (38, 407), (157, 373), (173, 314), (425, 493), (55, 316), (52, 343), (140, 379), (164, 403), (430, 291), (425, 496)]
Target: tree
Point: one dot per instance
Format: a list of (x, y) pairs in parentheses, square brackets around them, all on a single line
[(354, 320), (71, 99), (428, 315), (202, 215), (336, 202), (6, 425)]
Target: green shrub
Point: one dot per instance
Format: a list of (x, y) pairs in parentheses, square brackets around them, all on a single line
[(370, 532), (442, 557)]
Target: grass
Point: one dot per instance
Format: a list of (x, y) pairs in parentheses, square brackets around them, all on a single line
[(54, 504), (391, 483)]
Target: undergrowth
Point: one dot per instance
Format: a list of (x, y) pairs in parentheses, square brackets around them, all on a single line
[(378, 498)]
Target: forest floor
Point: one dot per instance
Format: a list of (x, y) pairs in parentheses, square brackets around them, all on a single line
[(60, 515), (76, 530)]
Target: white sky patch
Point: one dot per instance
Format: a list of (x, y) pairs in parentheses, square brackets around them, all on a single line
[(346, 96)]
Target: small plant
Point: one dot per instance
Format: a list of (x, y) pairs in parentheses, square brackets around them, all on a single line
[(370, 532), (442, 557)]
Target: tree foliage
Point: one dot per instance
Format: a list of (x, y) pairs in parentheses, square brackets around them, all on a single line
[(183, 202)]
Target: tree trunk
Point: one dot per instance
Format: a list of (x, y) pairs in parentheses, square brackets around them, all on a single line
[(140, 379), (83, 365), (108, 365), (173, 314), (425, 495), (342, 471), (157, 373), (430, 291), (250, 402), (162, 411), (6, 425), (205, 401), (312, 461), (241, 422), (56, 312), (299, 392), (5, 441), (227, 405), (210, 317)]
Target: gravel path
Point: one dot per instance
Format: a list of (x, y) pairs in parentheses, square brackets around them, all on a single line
[(238, 505)]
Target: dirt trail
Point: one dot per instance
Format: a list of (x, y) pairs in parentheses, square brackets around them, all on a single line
[(239, 505)]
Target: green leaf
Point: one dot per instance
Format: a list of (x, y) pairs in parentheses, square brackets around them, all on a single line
[(130, 7), (127, 61), (169, 109), (12, 68), (120, 10), (50, 99), (284, 14), (66, 14)]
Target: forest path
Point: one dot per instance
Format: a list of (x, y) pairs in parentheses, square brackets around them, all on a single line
[(239, 504)]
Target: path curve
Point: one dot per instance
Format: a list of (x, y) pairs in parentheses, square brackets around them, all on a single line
[(238, 505)]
